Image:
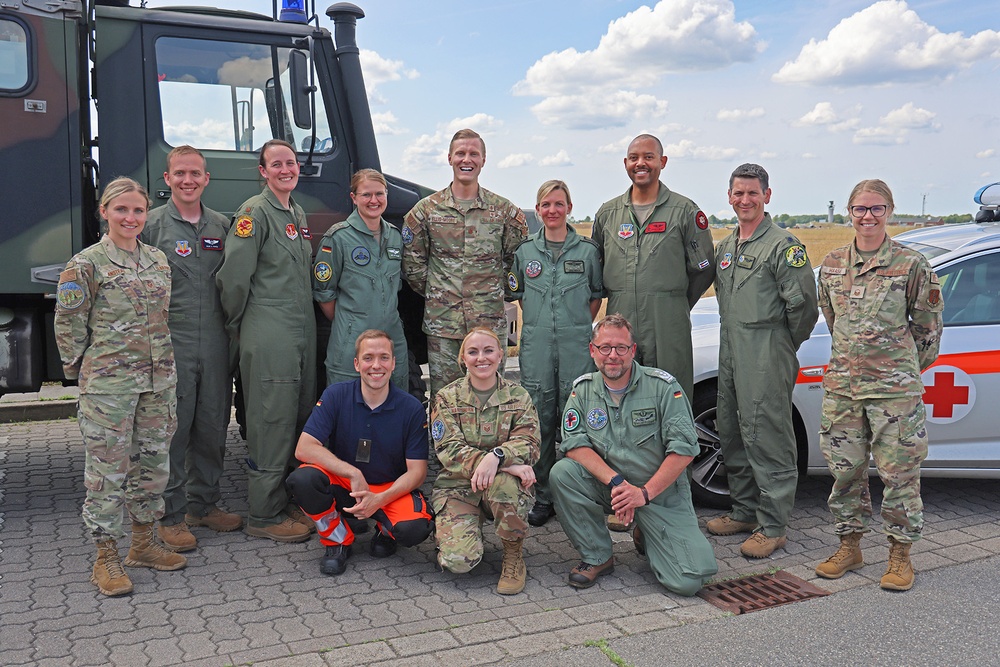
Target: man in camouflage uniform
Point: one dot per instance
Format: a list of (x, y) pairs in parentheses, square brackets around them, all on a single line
[(767, 304), (628, 437), (458, 245), (464, 433), (112, 335), (882, 302), (191, 235), (658, 261)]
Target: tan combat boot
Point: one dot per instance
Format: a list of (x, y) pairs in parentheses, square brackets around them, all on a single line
[(109, 575), (513, 572), (899, 575), (177, 537), (846, 558), (147, 552)]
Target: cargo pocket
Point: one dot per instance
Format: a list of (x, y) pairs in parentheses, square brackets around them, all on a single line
[(280, 400), (92, 480)]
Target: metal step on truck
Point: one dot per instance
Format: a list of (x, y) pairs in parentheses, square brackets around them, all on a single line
[(98, 89)]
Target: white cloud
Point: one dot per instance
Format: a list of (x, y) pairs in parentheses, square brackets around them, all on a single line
[(686, 148), (880, 136), (560, 159), (739, 114), (636, 51), (910, 117), (989, 152), (886, 43), (379, 70), (768, 155), (808, 156), (595, 111), (824, 115), (516, 160), (431, 150), (386, 124)]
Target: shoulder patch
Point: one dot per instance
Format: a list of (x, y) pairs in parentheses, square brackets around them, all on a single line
[(437, 430), (512, 281), (571, 420), (407, 235), (70, 295), (586, 377), (244, 227), (795, 256), (701, 220), (323, 272), (660, 373), (336, 228)]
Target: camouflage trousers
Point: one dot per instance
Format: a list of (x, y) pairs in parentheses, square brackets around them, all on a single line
[(126, 438), (442, 360), (892, 432), (460, 515)]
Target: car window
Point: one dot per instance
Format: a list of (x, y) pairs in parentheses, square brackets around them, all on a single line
[(971, 290)]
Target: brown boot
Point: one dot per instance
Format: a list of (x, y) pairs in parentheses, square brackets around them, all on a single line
[(899, 575), (296, 514), (513, 572), (147, 552), (177, 537), (846, 558), (217, 520), (109, 575)]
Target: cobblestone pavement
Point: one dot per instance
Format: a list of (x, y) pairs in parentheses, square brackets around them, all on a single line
[(244, 600)]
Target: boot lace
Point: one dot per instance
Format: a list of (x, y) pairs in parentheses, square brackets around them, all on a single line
[(841, 554), (113, 564), (897, 561)]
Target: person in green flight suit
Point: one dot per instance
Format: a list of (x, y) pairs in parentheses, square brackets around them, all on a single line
[(356, 279), (658, 261), (767, 305), (266, 291), (628, 437), (192, 237), (556, 276)]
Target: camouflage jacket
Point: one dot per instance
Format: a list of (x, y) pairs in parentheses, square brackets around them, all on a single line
[(194, 252), (885, 320), (458, 261), (464, 432), (111, 320)]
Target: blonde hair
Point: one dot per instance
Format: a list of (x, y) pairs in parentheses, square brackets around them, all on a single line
[(362, 175), (467, 134), (120, 186), (372, 334), (548, 187), (478, 330), (186, 150), (875, 186)]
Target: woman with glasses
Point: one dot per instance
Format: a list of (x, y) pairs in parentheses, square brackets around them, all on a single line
[(356, 279), (485, 433), (882, 302), (556, 276)]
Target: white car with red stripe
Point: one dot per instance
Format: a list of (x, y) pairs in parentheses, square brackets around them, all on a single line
[(961, 389)]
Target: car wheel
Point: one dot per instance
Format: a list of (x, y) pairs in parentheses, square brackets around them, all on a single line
[(709, 480)]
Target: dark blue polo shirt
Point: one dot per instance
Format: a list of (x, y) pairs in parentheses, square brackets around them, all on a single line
[(397, 429)]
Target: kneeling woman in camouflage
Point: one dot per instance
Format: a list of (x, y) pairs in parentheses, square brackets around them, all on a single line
[(485, 432), (111, 330)]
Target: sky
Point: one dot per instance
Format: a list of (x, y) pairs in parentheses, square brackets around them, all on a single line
[(822, 93)]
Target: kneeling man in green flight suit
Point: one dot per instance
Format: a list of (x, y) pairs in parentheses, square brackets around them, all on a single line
[(628, 437)]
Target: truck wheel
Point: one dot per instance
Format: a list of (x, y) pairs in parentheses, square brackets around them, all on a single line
[(709, 482)]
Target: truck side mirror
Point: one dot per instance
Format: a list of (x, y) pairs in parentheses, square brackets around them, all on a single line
[(298, 68)]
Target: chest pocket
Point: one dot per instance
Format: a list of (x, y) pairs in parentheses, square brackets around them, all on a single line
[(889, 302)]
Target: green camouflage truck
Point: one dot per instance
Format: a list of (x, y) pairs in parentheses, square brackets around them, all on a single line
[(97, 89)]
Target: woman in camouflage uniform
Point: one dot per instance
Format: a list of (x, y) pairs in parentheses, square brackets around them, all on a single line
[(882, 302), (111, 330), (485, 432)]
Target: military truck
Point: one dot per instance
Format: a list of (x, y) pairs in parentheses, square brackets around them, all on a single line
[(97, 89)]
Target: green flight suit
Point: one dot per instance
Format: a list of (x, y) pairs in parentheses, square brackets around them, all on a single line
[(266, 290), (767, 304), (654, 274), (555, 301), (201, 348), (634, 437), (364, 278)]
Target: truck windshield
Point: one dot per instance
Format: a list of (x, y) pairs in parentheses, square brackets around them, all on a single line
[(233, 96)]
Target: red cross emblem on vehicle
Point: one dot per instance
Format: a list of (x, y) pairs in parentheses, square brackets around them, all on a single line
[(949, 394)]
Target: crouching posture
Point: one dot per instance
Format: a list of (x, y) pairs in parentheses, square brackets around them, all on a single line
[(628, 437), (485, 432), (372, 465)]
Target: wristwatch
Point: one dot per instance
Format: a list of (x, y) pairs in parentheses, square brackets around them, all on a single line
[(497, 452), (615, 481)]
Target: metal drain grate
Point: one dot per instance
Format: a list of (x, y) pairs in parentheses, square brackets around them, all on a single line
[(761, 591)]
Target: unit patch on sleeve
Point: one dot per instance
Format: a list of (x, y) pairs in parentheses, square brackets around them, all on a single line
[(437, 430), (795, 256), (571, 420), (244, 227), (323, 272), (70, 295), (512, 281)]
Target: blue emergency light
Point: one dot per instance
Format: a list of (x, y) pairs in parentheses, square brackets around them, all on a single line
[(293, 11)]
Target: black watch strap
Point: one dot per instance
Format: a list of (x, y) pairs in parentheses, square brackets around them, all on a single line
[(615, 481)]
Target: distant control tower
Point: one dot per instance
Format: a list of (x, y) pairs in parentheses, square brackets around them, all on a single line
[(829, 212)]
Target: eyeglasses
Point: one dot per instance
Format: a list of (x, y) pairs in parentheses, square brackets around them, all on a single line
[(605, 350), (878, 210), (367, 196)]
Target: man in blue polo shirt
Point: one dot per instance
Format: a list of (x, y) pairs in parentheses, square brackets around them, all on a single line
[(364, 453)]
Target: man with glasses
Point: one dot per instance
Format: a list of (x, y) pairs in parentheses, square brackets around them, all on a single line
[(628, 437), (767, 307)]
